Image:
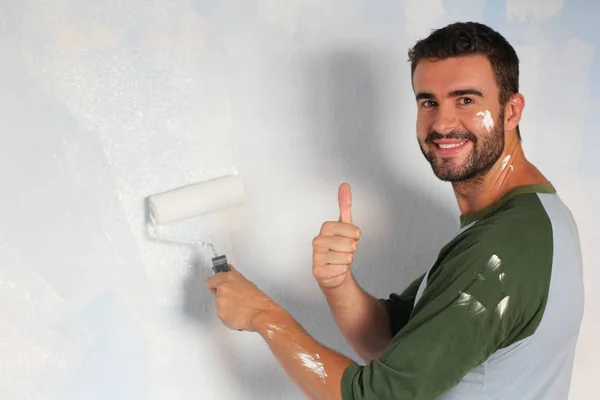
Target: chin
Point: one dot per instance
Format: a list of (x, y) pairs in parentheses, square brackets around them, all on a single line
[(451, 173), (448, 177)]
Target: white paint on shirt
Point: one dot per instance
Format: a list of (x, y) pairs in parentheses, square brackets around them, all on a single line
[(494, 263)]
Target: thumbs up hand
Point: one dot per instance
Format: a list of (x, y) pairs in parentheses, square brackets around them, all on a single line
[(334, 247)]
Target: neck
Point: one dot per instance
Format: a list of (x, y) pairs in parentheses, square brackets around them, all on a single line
[(511, 170)]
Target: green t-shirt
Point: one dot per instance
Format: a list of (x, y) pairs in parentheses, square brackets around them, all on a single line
[(496, 317)]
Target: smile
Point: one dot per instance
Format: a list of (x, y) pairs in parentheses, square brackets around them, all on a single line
[(449, 148), (450, 145)]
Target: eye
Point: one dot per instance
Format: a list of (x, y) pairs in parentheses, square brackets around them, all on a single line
[(465, 100), (428, 104)]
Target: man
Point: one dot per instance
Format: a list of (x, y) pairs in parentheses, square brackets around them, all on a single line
[(498, 314)]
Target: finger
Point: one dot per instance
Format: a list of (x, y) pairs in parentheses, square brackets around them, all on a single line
[(341, 229), (216, 280), (234, 275), (345, 203), (335, 243), (333, 258)]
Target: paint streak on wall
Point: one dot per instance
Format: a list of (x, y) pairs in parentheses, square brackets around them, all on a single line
[(421, 16), (538, 10)]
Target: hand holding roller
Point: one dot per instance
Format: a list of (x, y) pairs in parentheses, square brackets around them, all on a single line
[(195, 200)]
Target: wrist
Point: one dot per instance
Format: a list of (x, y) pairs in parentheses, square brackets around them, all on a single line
[(347, 301), (275, 319), (340, 291)]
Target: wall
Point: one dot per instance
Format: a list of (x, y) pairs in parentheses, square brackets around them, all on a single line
[(105, 103)]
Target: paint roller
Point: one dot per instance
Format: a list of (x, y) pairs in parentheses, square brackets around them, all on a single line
[(193, 201)]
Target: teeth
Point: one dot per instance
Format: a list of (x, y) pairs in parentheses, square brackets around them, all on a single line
[(450, 146)]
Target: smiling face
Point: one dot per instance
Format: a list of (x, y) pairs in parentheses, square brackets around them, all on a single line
[(460, 122)]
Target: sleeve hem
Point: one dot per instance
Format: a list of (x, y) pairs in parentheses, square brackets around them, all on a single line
[(389, 314), (348, 381)]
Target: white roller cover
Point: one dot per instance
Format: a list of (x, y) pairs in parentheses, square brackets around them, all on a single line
[(197, 199)]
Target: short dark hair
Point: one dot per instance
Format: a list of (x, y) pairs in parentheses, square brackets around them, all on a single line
[(472, 38)]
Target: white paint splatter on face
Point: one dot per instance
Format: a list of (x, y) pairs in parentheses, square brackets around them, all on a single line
[(487, 120), (501, 308), (312, 364), (468, 301), (494, 263)]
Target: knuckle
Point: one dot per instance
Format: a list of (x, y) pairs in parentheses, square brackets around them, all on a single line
[(318, 263), (328, 225), (317, 240), (224, 289)]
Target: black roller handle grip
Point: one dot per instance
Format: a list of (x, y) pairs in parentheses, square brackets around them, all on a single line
[(220, 264)]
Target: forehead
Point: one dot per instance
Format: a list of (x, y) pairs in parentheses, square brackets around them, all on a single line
[(455, 73)]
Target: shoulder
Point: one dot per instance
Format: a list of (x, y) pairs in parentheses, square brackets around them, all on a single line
[(518, 236), (506, 259)]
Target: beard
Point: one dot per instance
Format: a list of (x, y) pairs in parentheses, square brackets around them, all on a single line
[(485, 151)]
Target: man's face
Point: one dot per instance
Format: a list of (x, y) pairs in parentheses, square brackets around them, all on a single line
[(460, 123)]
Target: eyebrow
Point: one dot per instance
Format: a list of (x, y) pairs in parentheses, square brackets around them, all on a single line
[(454, 93)]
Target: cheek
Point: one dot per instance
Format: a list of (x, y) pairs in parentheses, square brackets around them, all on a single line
[(424, 124), (484, 121)]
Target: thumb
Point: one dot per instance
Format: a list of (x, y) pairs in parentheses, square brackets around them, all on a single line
[(345, 202), (233, 269)]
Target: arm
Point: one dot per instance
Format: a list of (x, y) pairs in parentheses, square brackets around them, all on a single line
[(367, 323), (461, 319), (314, 368), (456, 326), (486, 291), (361, 318)]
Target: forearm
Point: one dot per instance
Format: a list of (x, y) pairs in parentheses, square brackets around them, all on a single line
[(360, 317), (314, 368)]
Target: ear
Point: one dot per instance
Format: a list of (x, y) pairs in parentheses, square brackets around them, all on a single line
[(513, 111)]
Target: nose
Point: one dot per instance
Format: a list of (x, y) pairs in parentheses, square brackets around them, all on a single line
[(445, 119)]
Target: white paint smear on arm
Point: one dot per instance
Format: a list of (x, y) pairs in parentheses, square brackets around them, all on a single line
[(312, 364)]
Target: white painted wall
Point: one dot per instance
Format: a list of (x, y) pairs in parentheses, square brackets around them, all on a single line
[(105, 103)]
